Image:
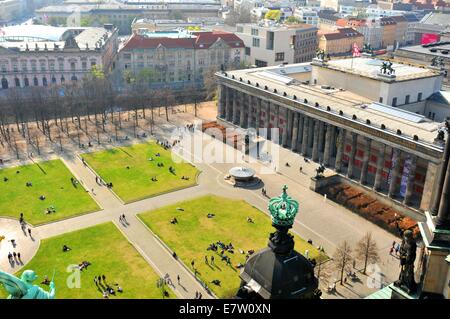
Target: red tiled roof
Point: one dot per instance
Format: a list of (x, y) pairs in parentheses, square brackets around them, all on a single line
[(342, 34), (203, 41)]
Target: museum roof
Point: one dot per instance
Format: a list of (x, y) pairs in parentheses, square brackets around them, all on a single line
[(369, 67), (434, 50), (338, 100)]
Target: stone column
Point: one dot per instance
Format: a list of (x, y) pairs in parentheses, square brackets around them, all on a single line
[(289, 127), (306, 122), (321, 137), (285, 128), (301, 122), (221, 102), (315, 149), (294, 132), (327, 147), (410, 184), (250, 112), (395, 171), (380, 166), (242, 109), (352, 155), (277, 121), (365, 163), (235, 107), (267, 124), (340, 149), (228, 100), (258, 114), (333, 141), (310, 133)]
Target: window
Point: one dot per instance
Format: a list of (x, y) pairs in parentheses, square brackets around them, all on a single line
[(256, 42), (84, 65), (270, 40), (35, 81), (394, 101), (4, 83), (260, 63), (73, 65), (53, 80), (419, 97), (407, 99), (240, 29), (44, 81), (279, 56), (254, 31), (26, 82), (380, 100), (17, 81), (127, 56), (247, 50), (74, 78), (63, 80)]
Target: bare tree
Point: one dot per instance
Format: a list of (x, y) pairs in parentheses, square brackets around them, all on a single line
[(367, 250), (342, 259)]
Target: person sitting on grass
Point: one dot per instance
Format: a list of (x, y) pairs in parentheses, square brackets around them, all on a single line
[(45, 281), (250, 220), (42, 197), (66, 248), (216, 282), (174, 221), (5, 179), (210, 215)]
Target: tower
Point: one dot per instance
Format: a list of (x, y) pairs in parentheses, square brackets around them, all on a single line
[(278, 271), (435, 277)]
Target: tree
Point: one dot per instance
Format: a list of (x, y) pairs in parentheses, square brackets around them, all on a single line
[(292, 20), (367, 251), (274, 15), (342, 259)]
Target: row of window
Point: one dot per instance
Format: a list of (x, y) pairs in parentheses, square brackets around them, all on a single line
[(43, 66), (407, 99), (44, 82)]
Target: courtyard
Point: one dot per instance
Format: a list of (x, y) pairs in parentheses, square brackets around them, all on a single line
[(43, 192), (141, 170), (227, 222)]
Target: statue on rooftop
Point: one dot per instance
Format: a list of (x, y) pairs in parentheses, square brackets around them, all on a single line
[(319, 171), (408, 249), (23, 288), (320, 54)]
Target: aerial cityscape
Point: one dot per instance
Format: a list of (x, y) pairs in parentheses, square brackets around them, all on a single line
[(224, 149)]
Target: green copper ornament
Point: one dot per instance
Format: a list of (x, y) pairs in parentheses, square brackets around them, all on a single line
[(283, 209)]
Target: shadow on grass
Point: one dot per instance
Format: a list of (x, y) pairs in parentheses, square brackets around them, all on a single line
[(120, 148)]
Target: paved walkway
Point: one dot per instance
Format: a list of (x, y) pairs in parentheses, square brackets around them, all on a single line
[(321, 220)]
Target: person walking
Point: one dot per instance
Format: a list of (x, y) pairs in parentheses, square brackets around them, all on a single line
[(206, 259), (178, 279), (29, 231)]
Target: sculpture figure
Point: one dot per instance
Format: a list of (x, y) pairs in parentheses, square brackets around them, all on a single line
[(23, 288), (408, 248), (319, 171), (320, 54)]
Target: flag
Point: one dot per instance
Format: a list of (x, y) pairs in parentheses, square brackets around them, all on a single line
[(355, 50)]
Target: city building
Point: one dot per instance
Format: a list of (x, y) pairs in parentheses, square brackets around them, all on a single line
[(370, 28), (431, 26), (340, 42), (10, 9), (272, 44), (366, 125), (424, 55), (389, 32), (307, 15), (327, 20), (121, 15), (161, 25), (179, 59), (36, 55)]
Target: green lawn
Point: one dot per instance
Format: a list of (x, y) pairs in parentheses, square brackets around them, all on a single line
[(195, 231), (108, 252), (134, 183), (51, 179)]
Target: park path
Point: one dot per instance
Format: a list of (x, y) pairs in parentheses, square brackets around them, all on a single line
[(321, 220), (136, 232)]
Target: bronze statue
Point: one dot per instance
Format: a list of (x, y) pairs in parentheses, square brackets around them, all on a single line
[(408, 248)]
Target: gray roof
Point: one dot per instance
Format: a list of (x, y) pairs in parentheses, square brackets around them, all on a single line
[(442, 97), (437, 18)]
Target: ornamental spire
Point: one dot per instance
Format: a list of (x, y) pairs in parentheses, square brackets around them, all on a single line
[(283, 209)]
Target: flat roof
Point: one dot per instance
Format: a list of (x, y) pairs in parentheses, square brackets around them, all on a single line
[(350, 103), (370, 67), (421, 50), (43, 32)]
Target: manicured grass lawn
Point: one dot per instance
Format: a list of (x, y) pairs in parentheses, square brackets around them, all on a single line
[(51, 179), (109, 253), (135, 182), (195, 231)]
